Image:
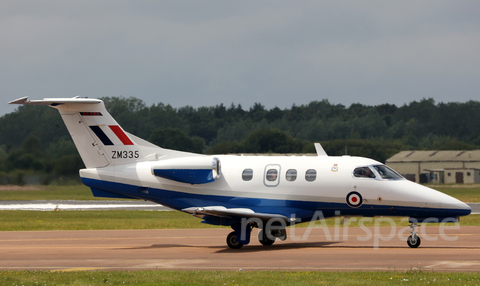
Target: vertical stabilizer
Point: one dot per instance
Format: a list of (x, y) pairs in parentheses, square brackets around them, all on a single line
[(100, 140)]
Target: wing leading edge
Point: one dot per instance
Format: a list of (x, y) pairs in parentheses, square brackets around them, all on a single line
[(223, 212)]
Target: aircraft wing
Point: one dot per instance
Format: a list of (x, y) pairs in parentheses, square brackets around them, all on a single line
[(220, 211)]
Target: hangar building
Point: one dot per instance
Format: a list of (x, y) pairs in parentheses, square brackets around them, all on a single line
[(438, 166)]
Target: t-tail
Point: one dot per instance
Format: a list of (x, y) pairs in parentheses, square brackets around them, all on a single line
[(100, 140)]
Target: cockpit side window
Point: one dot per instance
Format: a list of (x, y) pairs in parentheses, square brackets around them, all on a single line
[(363, 172), (387, 173)]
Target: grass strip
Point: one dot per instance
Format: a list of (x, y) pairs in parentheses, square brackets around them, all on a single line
[(97, 220), (213, 277), (466, 193), (72, 192), (115, 219)]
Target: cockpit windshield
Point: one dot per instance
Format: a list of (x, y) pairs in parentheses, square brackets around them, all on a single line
[(363, 172), (387, 173)]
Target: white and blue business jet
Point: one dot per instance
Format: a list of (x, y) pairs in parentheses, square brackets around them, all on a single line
[(231, 190)]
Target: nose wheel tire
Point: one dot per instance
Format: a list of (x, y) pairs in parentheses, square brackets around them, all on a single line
[(413, 242), (232, 241)]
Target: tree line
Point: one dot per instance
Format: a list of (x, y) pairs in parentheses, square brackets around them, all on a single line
[(33, 139)]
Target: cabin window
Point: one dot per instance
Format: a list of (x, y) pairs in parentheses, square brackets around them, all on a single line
[(468, 173), (363, 172), (291, 175), (272, 175), (449, 174), (247, 174), (310, 175), (387, 173)]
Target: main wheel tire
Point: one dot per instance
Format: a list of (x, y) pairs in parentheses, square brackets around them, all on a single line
[(413, 243), (263, 238), (232, 241)]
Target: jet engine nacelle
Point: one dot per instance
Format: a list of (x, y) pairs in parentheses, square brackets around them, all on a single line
[(191, 170)]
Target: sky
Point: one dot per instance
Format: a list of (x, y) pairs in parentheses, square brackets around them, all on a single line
[(277, 53)]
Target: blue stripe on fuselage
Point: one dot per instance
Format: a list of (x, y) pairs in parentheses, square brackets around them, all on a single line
[(304, 210)]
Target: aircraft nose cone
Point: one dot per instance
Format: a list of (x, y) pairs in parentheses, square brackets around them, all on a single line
[(444, 205), (463, 209), (456, 207)]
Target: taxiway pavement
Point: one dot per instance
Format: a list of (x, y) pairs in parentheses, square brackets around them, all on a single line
[(341, 249)]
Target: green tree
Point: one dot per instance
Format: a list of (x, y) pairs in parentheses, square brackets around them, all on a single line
[(228, 147), (32, 145), (68, 165), (271, 141), (28, 157), (176, 139), (131, 113), (3, 158), (19, 160), (379, 150)]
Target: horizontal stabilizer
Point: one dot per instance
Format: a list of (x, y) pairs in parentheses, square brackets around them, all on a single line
[(220, 211), (54, 101)]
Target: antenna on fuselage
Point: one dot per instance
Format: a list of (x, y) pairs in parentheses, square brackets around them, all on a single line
[(319, 149)]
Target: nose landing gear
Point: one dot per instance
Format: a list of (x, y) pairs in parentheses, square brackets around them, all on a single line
[(413, 240)]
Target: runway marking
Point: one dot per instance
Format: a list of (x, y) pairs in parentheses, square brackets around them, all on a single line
[(79, 269), (107, 238), (278, 248), (129, 247), (454, 264), (250, 268), (59, 247)]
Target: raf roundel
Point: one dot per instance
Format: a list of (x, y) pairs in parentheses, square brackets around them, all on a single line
[(354, 199)]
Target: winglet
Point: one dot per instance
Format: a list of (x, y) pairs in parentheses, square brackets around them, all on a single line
[(319, 149)]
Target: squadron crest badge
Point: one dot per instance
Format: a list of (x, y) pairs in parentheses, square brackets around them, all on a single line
[(335, 168)]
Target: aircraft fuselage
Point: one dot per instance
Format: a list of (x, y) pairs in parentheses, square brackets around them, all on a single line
[(300, 197)]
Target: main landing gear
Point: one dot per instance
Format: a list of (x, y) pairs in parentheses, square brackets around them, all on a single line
[(268, 240), (232, 241), (264, 239), (235, 240), (413, 240)]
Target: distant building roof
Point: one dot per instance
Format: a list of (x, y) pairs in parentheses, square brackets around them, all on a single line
[(436, 156), (449, 169)]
